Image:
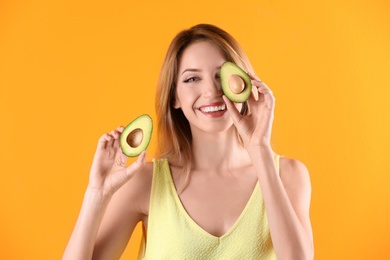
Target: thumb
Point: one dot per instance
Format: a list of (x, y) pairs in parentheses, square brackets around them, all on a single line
[(137, 165), (233, 111)]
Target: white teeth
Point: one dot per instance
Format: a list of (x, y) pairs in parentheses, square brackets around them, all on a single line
[(213, 109)]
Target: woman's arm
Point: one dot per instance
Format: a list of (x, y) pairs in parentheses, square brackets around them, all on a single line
[(108, 174), (128, 206), (287, 202), (82, 240), (286, 196)]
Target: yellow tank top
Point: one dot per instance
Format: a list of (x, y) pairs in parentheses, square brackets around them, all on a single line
[(173, 234)]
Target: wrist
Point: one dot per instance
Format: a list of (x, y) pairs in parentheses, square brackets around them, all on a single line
[(259, 152), (259, 149), (97, 195)]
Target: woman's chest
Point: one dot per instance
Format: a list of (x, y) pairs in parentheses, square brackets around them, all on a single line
[(216, 202)]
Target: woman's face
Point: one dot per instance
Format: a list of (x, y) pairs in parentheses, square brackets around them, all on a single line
[(198, 89)]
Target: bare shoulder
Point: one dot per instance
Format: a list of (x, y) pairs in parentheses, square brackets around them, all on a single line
[(293, 171), (142, 185), (143, 179), (135, 194), (296, 180)]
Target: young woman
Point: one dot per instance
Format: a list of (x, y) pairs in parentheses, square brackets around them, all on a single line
[(217, 190)]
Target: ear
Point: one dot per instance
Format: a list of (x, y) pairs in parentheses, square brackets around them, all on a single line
[(176, 104)]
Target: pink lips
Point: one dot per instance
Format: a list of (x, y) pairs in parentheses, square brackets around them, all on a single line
[(213, 110)]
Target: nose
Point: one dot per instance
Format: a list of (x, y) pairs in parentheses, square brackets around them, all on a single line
[(212, 88)]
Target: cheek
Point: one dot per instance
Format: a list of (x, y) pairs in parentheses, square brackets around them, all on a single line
[(185, 98)]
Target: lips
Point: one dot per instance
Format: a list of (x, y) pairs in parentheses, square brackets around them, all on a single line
[(209, 109), (214, 109)]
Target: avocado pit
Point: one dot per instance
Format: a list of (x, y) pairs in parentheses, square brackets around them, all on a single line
[(135, 137), (236, 84)]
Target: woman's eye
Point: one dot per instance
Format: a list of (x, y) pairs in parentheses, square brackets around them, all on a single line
[(192, 79)]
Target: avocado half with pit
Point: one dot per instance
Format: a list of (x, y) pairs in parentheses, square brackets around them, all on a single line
[(136, 136), (236, 84)]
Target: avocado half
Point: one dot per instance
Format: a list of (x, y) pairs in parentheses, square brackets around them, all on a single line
[(136, 136), (236, 84)]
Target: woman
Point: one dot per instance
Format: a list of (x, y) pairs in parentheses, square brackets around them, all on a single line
[(218, 190)]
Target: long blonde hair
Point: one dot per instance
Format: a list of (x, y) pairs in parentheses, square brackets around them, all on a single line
[(174, 133)]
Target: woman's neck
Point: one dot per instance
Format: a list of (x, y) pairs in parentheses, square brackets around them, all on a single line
[(218, 151)]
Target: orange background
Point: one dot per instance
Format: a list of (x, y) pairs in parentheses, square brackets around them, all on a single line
[(72, 70)]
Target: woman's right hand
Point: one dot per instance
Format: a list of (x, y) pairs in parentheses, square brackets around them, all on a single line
[(109, 171)]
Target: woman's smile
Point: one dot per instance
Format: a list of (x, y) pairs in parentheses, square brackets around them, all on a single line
[(213, 110)]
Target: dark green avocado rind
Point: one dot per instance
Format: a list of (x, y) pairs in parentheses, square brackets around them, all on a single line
[(227, 69), (143, 122)]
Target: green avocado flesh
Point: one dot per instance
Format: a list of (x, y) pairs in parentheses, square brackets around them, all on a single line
[(236, 84), (136, 136)]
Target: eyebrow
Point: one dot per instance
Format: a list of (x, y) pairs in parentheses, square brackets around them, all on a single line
[(190, 69), (195, 70)]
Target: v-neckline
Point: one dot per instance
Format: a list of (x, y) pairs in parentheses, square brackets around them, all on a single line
[(184, 212)]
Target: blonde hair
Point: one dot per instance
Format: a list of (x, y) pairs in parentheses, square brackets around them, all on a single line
[(174, 133)]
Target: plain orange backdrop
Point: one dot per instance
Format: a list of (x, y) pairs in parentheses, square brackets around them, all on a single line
[(72, 70)]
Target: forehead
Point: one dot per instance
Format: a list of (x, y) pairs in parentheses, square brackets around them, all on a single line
[(201, 52)]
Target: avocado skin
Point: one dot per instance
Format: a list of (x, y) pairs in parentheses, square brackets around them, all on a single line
[(227, 69), (143, 122)]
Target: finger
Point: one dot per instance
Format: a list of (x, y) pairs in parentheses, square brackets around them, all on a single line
[(256, 96), (254, 81), (137, 165), (120, 129), (265, 95), (115, 137), (111, 141), (103, 140), (253, 76), (268, 95), (233, 111), (264, 89), (260, 84), (117, 134), (255, 93)]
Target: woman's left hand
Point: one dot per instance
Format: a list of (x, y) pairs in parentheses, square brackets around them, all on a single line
[(255, 128)]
